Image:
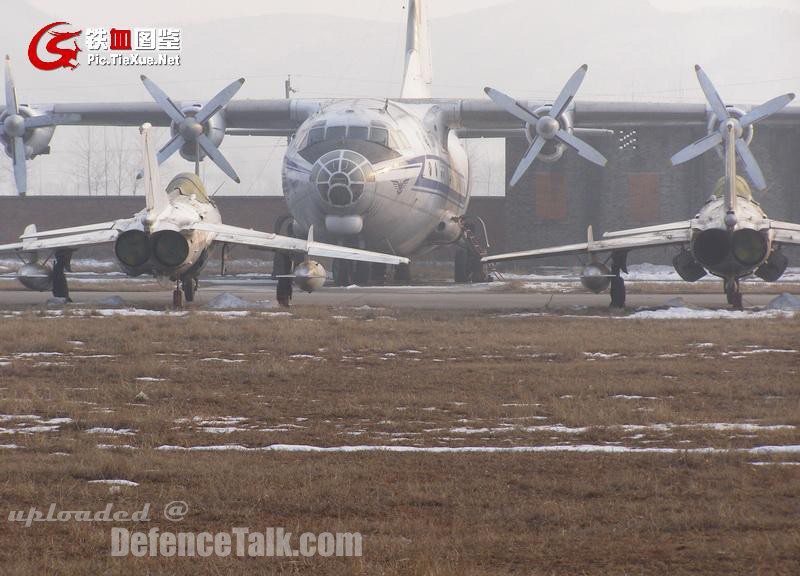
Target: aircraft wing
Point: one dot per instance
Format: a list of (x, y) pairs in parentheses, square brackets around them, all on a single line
[(785, 232), (470, 117), (66, 238), (624, 240), (277, 243)]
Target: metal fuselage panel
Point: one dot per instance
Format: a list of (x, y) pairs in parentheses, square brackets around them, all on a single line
[(415, 181), (749, 216), (182, 212)]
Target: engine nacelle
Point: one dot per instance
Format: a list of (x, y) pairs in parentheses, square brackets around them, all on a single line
[(214, 128), (553, 150), (37, 140), (596, 277), (36, 277), (773, 268), (689, 269), (309, 276)]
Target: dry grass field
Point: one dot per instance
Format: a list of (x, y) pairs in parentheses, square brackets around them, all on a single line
[(597, 446)]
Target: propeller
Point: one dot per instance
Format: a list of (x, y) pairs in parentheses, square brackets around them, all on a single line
[(14, 127), (726, 120), (190, 127), (548, 127)]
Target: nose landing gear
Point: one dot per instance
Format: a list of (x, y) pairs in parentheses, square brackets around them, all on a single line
[(734, 293)]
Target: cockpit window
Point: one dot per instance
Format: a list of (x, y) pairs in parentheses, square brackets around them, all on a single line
[(315, 135), (358, 133), (379, 135), (336, 133)]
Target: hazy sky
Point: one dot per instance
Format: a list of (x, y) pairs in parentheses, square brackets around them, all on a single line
[(635, 53), (190, 11)]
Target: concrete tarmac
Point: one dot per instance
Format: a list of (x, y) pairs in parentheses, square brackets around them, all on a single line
[(442, 296)]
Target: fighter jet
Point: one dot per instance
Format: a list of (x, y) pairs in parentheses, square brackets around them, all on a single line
[(730, 237), (172, 239), (385, 174)]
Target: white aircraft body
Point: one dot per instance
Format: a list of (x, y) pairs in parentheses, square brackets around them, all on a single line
[(172, 238)]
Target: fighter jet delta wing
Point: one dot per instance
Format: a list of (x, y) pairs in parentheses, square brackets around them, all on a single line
[(623, 240), (275, 242)]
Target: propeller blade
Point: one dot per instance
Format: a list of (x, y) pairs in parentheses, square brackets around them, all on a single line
[(170, 148), (697, 148), (219, 101), (527, 160), (511, 106), (20, 170), (11, 92), (751, 165), (714, 100), (216, 156), (37, 121), (568, 92), (161, 98), (766, 109), (583, 149)]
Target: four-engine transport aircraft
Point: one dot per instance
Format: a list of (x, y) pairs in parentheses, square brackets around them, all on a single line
[(172, 238), (389, 175), (730, 237)]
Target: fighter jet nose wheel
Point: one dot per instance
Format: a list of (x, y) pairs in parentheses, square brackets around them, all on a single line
[(734, 293)]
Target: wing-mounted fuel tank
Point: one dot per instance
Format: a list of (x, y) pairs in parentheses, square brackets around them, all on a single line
[(35, 276)]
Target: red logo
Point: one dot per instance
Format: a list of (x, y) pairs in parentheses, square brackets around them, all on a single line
[(65, 55), (120, 39)]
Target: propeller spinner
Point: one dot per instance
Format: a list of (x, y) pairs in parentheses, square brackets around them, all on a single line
[(550, 126), (190, 128), (14, 127), (726, 122)]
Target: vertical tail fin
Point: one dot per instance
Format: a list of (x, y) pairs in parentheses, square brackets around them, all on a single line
[(730, 168), (155, 196), (418, 75)]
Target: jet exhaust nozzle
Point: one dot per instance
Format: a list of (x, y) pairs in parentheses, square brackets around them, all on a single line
[(169, 248), (749, 247), (132, 249), (712, 247)]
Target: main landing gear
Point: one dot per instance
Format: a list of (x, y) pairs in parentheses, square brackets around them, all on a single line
[(734, 293), (282, 268), (619, 264), (62, 264), (185, 288), (473, 246)]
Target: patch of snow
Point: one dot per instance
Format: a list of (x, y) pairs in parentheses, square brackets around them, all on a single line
[(115, 482), (111, 431), (785, 301), (705, 314)]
